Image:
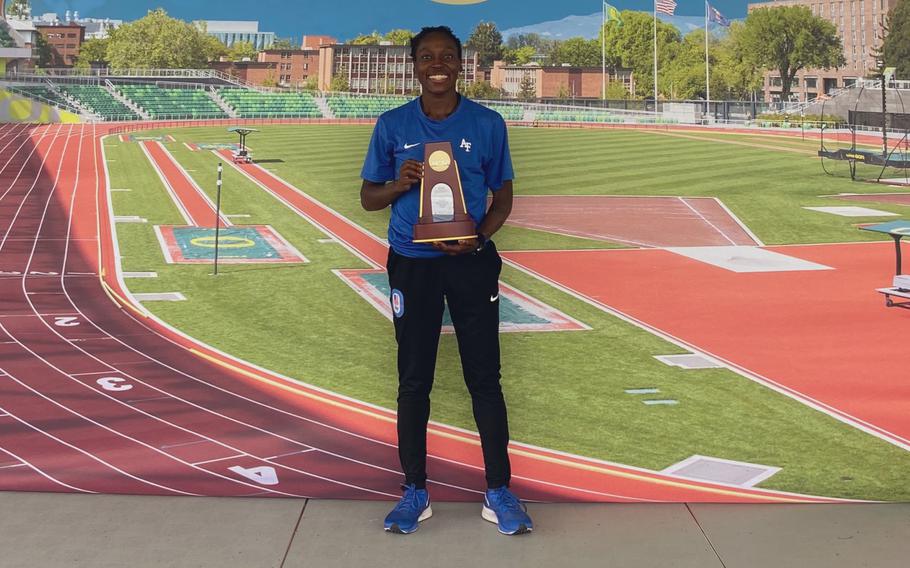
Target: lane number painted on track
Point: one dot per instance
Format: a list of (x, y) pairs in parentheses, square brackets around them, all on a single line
[(67, 321), (113, 384), (263, 475)]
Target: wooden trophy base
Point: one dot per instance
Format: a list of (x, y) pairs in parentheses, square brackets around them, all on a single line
[(446, 231)]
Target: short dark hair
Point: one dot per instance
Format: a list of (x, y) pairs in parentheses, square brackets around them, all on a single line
[(424, 32)]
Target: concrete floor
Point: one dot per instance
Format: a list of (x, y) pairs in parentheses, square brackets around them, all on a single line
[(42, 530)]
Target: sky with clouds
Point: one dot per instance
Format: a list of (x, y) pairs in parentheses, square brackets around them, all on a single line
[(345, 19)]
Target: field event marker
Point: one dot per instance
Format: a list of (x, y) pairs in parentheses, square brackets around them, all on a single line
[(661, 402), (689, 361), (850, 211), (747, 259), (718, 470), (642, 391), (249, 244), (518, 311), (160, 297), (263, 475), (130, 219), (326, 241), (140, 275), (121, 189)]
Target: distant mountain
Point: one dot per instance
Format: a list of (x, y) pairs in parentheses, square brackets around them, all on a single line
[(588, 26)]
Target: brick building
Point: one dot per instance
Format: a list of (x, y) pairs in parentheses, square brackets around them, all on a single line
[(64, 40), (255, 72), (294, 67), (561, 82), (379, 69), (859, 26)]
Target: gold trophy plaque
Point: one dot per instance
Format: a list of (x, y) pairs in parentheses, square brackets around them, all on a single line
[(443, 214)]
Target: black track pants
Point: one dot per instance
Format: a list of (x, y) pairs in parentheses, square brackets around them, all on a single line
[(470, 285)]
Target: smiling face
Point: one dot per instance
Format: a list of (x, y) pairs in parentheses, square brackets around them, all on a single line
[(437, 64)]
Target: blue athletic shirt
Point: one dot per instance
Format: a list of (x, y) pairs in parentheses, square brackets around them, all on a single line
[(480, 146)]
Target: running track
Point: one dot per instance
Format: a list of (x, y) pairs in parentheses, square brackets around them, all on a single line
[(99, 397)]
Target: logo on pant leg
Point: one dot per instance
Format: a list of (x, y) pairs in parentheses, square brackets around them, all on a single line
[(397, 303)]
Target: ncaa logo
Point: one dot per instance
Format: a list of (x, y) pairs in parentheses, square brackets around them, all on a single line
[(397, 303)]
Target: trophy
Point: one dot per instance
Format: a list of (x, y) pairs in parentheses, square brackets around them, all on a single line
[(443, 214)]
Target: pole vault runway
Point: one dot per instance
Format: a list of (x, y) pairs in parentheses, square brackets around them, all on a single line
[(97, 396)]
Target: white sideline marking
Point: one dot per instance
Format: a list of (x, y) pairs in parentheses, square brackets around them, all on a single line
[(719, 470), (140, 275), (642, 391), (689, 361), (746, 259), (847, 211), (666, 402), (219, 459), (160, 297), (129, 219)]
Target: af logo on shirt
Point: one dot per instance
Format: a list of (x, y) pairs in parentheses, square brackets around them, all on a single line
[(465, 144)]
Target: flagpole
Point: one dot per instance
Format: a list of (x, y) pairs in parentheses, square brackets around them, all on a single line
[(655, 56), (707, 65), (603, 51)]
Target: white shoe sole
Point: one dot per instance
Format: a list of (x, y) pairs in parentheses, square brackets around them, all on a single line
[(426, 514), (489, 514)]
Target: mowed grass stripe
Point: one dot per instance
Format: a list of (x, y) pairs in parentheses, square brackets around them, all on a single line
[(565, 390)]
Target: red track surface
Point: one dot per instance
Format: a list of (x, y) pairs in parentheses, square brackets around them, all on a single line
[(798, 331), (97, 396), (683, 221), (189, 197)]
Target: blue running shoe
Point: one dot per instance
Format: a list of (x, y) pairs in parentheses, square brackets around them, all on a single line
[(413, 507), (502, 507)]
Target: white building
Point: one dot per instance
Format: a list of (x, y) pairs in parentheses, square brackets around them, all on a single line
[(229, 32)]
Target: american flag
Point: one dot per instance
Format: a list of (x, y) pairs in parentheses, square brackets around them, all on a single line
[(665, 6), (715, 16)]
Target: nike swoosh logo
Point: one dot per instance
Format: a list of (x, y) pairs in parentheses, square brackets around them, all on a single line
[(494, 298), (409, 146)]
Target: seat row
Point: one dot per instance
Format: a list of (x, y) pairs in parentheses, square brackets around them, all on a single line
[(252, 104), (99, 101), (164, 103)]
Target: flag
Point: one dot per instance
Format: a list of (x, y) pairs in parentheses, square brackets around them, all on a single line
[(665, 6), (613, 15), (715, 16)]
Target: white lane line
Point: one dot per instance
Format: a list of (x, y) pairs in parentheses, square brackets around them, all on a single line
[(43, 474), (221, 459), (51, 365), (705, 220), (292, 454)]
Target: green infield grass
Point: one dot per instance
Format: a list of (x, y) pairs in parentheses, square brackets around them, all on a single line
[(565, 389)]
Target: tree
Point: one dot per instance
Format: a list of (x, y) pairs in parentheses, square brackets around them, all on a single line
[(487, 42), (684, 75), (790, 38), (518, 56), (616, 91), (576, 52), (482, 90), (93, 51), (339, 83), (632, 46), (372, 39), (19, 8), (734, 76), (242, 50), (283, 43), (311, 83), (527, 92), (399, 37), (45, 55), (896, 46), (214, 49), (158, 41)]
